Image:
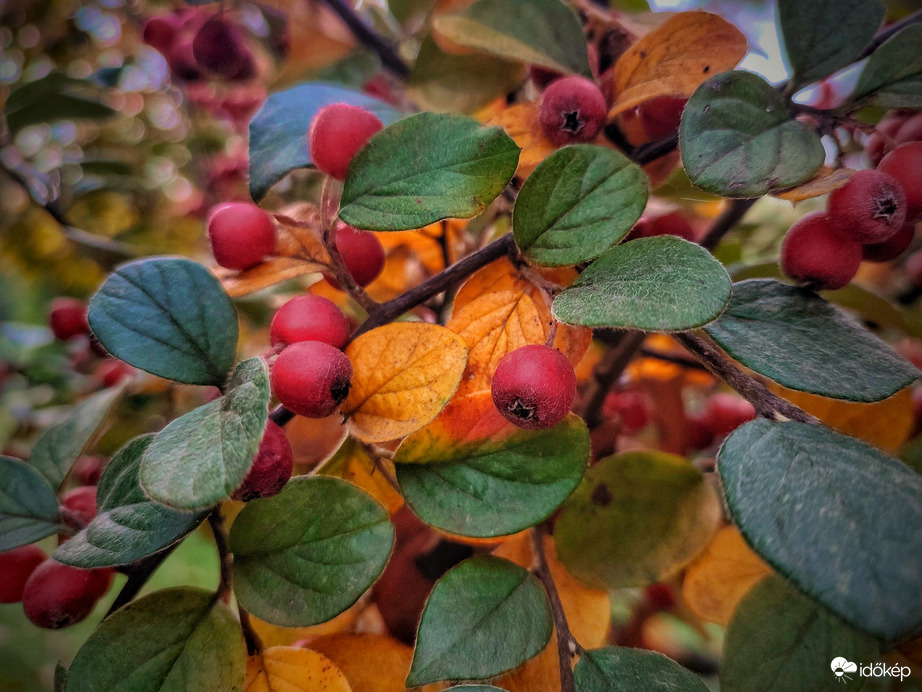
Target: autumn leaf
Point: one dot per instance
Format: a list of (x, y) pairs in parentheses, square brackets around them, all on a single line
[(276, 635), (288, 669), (353, 463), (403, 374), (824, 182), (719, 578), (521, 123), (499, 310), (674, 59)]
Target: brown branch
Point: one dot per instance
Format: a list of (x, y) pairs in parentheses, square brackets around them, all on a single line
[(607, 373), (220, 538), (724, 223), (138, 575), (673, 358), (369, 37), (889, 32), (766, 404), (252, 639)]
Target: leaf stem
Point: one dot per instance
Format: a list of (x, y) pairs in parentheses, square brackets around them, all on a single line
[(252, 639), (369, 37), (216, 521), (138, 574), (766, 403)]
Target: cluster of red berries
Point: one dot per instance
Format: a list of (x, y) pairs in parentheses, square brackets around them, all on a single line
[(198, 45), (871, 218), (67, 319)]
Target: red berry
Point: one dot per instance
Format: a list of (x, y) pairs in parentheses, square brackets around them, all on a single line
[(182, 62), (660, 597), (534, 387), (361, 251), (88, 469), (880, 142), (572, 110), (671, 223), (219, 47), (630, 407), (910, 130), (271, 467), (812, 254), (242, 235), (67, 318), (869, 208), (16, 566), (660, 116), (890, 248), (58, 595), (726, 412), (160, 32), (337, 133), (311, 378), (82, 503), (905, 164), (309, 318), (111, 371)]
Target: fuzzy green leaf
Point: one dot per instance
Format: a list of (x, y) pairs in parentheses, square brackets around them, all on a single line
[(619, 669), (893, 73), (28, 506)]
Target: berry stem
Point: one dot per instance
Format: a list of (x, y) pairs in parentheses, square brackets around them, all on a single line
[(369, 37), (216, 521)]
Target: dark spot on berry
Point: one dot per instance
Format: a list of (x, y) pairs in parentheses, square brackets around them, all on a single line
[(601, 496), (520, 409), (572, 122), (340, 390), (886, 207)]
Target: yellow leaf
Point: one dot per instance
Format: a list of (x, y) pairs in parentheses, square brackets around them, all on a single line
[(276, 635), (716, 582), (499, 310), (287, 669), (886, 424), (521, 123), (825, 181), (264, 275), (370, 662), (353, 463), (674, 59), (403, 375)]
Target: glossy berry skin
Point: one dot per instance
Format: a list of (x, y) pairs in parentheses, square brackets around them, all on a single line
[(219, 47), (813, 255), (891, 248), (337, 133), (311, 378), (242, 235), (905, 165), (81, 502), (726, 412), (534, 387), (362, 253), (67, 318), (309, 318), (572, 110), (16, 566), (869, 208), (271, 467), (58, 595)]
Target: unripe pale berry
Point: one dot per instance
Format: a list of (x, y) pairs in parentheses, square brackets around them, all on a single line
[(219, 47), (726, 412), (869, 208), (572, 110), (905, 165), (242, 235), (337, 133), (67, 318), (58, 595), (16, 566), (812, 254), (362, 253), (311, 378), (891, 248), (309, 318), (271, 467), (534, 387)]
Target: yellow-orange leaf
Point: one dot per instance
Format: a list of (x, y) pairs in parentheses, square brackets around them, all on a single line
[(276, 635), (824, 182), (403, 375), (499, 310), (287, 669), (674, 59), (521, 123), (716, 582), (353, 463), (264, 275), (886, 424)]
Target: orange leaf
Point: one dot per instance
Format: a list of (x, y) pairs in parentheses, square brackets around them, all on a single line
[(403, 375), (276, 635), (287, 669), (716, 582), (352, 463), (674, 59), (521, 123), (499, 310), (264, 275), (827, 180)]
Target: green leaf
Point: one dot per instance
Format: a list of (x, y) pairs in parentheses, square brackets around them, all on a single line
[(278, 132), (61, 444), (835, 516), (202, 457), (637, 518), (307, 554), (796, 338), (579, 202), (484, 617), (168, 316), (425, 168), (893, 73), (816, 47), (541, 32), (493, 487), (444, 82), (661, 284), (170, 641), (781, 641), (128, 526), (54, 97), (617, 669), (28, 506), (738, 140)]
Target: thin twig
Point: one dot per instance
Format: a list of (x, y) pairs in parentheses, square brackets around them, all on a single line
[(369, 37), (567, 645), (220, 538), (683, 361), (252, 639), (138, 575), (722, 225), (889, 32), (766, 403), (607, 373)]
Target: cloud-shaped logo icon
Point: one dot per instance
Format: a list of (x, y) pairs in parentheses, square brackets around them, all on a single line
[(841, 666)]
